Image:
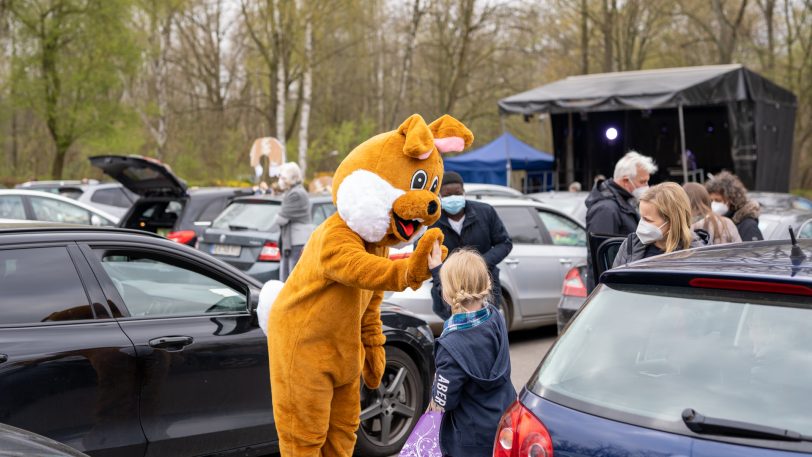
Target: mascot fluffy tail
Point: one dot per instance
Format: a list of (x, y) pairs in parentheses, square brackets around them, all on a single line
[(267, 296)]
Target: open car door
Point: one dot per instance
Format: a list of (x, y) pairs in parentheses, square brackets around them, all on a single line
[(602, 251)]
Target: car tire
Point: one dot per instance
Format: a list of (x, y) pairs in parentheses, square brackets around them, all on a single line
[(397, 402), (505, 309)]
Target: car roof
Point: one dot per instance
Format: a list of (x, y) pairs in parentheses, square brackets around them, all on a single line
[(52, 196), (314, 198), (756, 260)]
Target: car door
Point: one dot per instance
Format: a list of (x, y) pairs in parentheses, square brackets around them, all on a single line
[(67, 371), (567, 244), (603, 248), (205, 383), (531, 269)]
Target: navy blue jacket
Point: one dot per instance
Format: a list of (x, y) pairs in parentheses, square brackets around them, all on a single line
[(472, 383), (483, 231)]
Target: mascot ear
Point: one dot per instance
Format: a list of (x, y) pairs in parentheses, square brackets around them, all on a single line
[(450, 135), (419, 140)]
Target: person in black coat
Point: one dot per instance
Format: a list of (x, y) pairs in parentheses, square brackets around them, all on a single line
[(472, 383), (468, 223), (729, 198), (612, 204)]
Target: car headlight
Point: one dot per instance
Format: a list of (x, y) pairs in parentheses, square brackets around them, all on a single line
[(425, 330)]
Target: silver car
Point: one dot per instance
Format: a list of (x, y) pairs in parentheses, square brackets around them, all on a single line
[(546, 244), (46, 206)]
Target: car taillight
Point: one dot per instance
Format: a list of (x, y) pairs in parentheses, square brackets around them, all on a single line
[(573, 285), (182, 236), (521, 434), (269, 252)]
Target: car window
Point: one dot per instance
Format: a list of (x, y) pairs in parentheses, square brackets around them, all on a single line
[(112, 196), (46, 209), (40, 285), (806, 230), (322, 211), (153, 286), (520, 223), (563, 231), (652, 351), (11, 207), (211, 210), (247, 216)]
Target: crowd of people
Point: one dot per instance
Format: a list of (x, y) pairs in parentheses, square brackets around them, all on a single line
[(473, 364)]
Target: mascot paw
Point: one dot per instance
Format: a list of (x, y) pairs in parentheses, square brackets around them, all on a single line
[(374, 365), (267, 296), (419, 260)]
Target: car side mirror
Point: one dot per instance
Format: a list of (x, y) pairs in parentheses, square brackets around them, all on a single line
[(253, 300)]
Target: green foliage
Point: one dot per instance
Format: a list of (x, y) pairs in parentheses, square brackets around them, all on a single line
[(335, 142)]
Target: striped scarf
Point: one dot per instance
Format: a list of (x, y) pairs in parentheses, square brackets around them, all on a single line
[(462, 321)]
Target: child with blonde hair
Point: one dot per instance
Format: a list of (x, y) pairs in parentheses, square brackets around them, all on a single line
[(472, 381)]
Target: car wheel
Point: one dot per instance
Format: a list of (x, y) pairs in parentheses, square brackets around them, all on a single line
[(504, 308), (389, 412)]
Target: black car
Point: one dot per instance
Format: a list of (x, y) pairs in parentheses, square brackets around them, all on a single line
[(166, 206), (15, 442), (240, 235), (121, 343), (705, 352)]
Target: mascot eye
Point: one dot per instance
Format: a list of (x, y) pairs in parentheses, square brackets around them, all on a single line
[(434, 185), (419, 180)]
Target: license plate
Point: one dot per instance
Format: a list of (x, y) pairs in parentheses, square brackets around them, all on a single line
[(226, 250)]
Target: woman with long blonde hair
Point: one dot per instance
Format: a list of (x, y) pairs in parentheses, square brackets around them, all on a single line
[(472, 381), (665, 225)]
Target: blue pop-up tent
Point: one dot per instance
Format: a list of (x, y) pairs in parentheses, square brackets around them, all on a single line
[(488, 164)]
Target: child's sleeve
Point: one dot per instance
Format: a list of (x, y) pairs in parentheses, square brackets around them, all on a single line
[(449, 380)]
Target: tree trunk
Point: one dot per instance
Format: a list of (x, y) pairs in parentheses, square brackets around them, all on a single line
[(608, 34), (584, 37), (161, 76), (307, 83), (417, 14), (281, 80)]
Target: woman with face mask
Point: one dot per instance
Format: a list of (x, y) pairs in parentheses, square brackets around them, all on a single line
[(720, 229), (729, 198), (665, 225), (293, 219)]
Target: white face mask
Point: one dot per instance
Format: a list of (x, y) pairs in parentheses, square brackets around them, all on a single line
[(719, 208), (648, 232), (638, 191)]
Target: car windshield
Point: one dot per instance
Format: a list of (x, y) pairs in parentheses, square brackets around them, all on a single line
[(247, 216), (651, 352)]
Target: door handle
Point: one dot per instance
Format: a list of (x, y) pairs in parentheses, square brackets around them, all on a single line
[(3, 358), (565, 261), (511, 261), (171, 343)]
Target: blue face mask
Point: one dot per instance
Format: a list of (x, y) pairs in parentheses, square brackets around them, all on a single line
[(453, 204)]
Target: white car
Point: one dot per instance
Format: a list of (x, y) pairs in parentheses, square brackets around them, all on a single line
[(110, 197), (546, 244), (44, 206)]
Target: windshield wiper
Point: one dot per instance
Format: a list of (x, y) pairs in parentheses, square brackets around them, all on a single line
[(716, 426), (240, 227)]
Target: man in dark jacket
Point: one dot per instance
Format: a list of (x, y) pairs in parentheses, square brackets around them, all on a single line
[(612, 204), (468, 223)]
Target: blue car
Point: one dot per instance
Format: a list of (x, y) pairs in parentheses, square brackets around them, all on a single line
[(699, 353)]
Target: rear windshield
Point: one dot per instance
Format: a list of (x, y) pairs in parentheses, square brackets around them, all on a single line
[(651, 352), (247, 216)]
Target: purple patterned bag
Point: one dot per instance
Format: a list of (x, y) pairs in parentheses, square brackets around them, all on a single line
[(425, 438)]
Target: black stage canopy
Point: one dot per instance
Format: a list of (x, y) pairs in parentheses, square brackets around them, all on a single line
[(692, 120)]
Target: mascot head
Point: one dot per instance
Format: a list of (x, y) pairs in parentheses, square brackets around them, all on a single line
[(386, 190)]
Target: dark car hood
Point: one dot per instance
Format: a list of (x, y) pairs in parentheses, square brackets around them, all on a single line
[(17, 442), (142, 175)]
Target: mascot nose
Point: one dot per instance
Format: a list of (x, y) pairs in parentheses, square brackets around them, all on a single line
[(432, 207)]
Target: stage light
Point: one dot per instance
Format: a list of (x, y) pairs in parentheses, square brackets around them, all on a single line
[(611, 133)]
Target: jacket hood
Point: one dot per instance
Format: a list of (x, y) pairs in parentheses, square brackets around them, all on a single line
[(750, 210), (608, 190), (462, 346)]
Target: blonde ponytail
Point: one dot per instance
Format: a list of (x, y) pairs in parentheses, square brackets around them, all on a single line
[(466, 281)]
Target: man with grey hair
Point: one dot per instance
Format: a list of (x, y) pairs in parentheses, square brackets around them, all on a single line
[(612, 204)]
